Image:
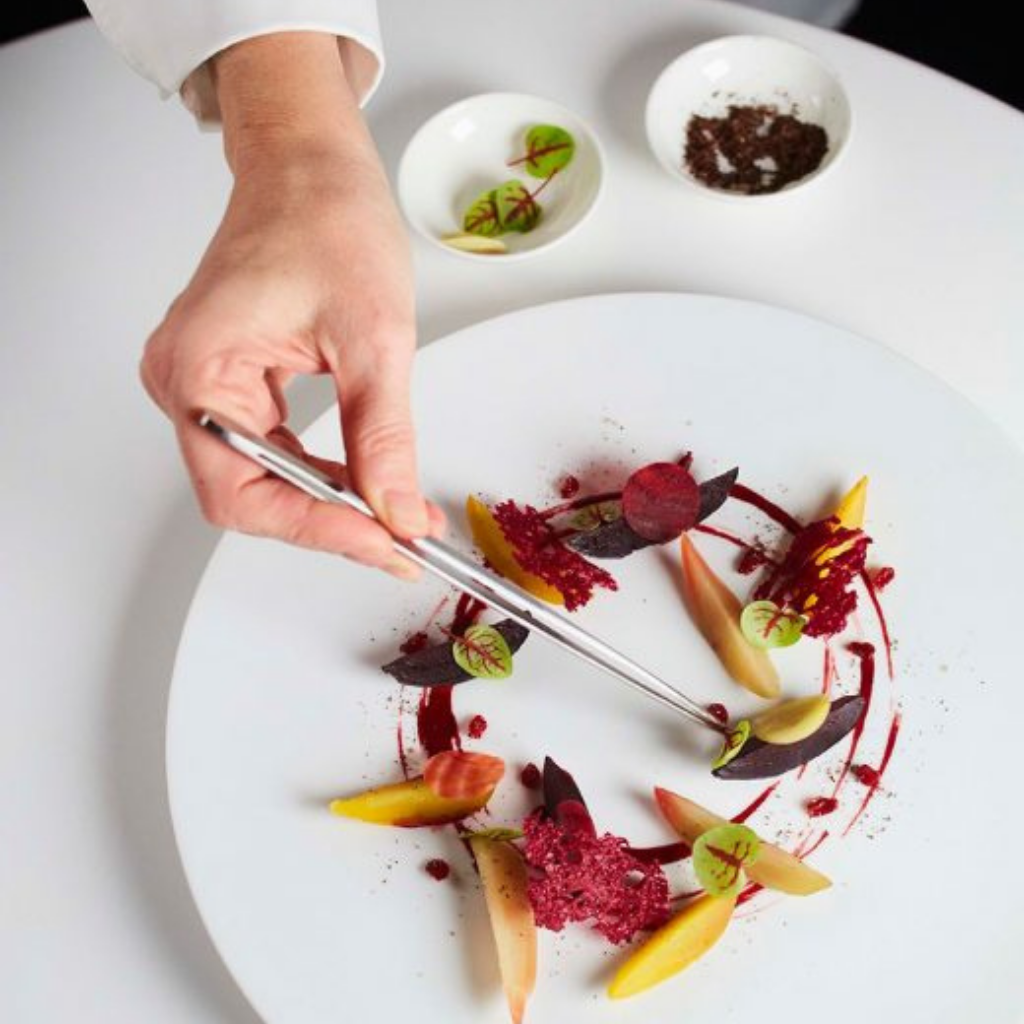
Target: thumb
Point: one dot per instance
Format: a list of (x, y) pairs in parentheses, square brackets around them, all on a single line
[(380, 445)]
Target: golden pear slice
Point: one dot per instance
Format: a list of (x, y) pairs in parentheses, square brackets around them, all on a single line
[(791, 720)]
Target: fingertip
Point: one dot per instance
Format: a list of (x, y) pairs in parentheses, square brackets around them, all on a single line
[(405, 513), (438, 521)]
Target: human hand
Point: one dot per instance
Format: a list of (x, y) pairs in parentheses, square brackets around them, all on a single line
[(308, 273)]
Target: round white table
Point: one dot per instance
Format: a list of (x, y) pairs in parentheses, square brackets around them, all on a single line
[(107, 198)]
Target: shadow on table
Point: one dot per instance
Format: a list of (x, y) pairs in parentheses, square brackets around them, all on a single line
[(624, 95), (135, 770)]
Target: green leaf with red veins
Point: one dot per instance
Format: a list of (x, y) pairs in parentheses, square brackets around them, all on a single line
[(497, 834), (483, 652), (548, 149), (517, 209), (481, 218), (766, 625), (733, 743), (719, 856)]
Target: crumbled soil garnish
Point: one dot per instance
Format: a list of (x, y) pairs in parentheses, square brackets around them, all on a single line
[(577, 876), (438, 869), (750, 561), (477, 727), (821, 806), (569, 487), (530, 776), (753, 150), (538, 550)]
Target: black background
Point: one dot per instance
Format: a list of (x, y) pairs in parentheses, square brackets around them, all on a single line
[(970, 41)]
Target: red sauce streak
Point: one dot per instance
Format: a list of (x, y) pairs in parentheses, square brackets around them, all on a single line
[(743, 493), (883, 625), (477, 727), (670, 853), (569, 487), (866, 653), (828, 672), (805, 851), (890, 746), (719, 711), (748, 893), (435, 721), (753, 807), (821, 806), (438, 869), (530, 776), (402, 759), (467, 611)]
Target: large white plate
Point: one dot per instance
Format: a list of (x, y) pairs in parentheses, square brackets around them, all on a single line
[(278, 703)]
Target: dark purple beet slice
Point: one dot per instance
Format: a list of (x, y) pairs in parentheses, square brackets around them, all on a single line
[(436, 665), (563, 801), (714, 492), (660, 501), (609, 540), (760, 760)]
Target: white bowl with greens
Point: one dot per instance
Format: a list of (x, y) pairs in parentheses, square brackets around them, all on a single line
[(500, 176)]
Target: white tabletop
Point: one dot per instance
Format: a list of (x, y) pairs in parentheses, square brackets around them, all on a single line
[(106, 200)]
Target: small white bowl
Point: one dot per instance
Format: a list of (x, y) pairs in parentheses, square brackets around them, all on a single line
[(465, 149), (744, 70)]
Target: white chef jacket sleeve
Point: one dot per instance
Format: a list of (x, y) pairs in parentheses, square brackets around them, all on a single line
[(170, 41)]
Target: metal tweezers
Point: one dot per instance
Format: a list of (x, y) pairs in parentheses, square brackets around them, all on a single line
[(465, 575)]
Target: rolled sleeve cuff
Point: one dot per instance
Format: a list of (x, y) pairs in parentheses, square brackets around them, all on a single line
[(170, 43)]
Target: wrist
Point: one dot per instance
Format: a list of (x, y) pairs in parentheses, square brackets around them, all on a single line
[(286, 104)]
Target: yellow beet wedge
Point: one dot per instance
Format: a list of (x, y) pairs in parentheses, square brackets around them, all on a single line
[(674, 946), (491, 541), (774, 868), (408, 805), (851, 510), (791, 720), (716, 611), (504, 879)]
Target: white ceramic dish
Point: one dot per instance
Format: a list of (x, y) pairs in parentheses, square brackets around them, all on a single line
[(278, 703), (756, 70), (465, 149)]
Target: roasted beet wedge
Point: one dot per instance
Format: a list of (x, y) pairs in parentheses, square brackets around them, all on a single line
[(759, 760), (436, 665)]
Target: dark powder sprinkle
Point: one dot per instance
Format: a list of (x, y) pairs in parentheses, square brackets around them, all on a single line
[(753, 150), (438, 869)]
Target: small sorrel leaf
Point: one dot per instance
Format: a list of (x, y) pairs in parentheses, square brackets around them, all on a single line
[(715, 492), (481, 217), (760, 760), (505, 835), (766, 625), (611, 540), (590, 517), (548, 149), (436, 665), (719, 856), (660, 501), (483, 652), (516, 207), (732, 744)]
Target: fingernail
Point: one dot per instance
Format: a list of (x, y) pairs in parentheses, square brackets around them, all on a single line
[(406, 513), (402, 568)]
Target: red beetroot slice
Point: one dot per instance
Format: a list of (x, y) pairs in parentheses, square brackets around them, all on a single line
[(660, 501), (436, 665), (578, 876)]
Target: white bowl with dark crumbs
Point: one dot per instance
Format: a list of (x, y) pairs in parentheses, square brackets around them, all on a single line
[(747, 116)]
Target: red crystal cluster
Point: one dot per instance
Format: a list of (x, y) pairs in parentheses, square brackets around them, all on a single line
[(578, 876), (800, 577), (538, 550)]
